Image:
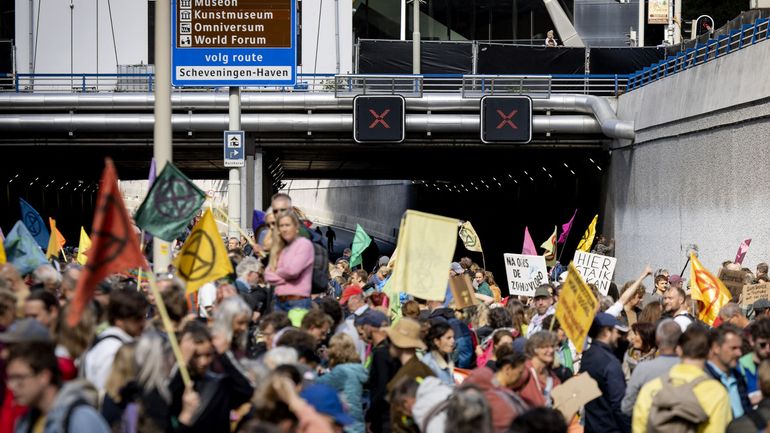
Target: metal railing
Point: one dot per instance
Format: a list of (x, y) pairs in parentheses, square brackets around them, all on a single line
[(343, 86), (747, 35)]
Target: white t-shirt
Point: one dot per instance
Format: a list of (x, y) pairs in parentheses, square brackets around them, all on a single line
[(683, 320), (207, 294)]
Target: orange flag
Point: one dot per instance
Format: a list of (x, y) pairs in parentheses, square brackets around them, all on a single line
[(114, 247), (708, 290)]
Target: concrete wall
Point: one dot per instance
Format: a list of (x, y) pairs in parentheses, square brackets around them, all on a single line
[(325, 41), (698, 171), (52, 34), (376, 205)]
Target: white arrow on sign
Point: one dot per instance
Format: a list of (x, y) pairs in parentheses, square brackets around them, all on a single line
[(235, 152)]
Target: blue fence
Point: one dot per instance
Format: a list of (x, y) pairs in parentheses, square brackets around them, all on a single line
[(747, 35)]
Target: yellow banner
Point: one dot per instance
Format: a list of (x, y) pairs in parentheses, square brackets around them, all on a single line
[(203, 257), (657, 12), (588, 236), (426, 244), (576, 308), (469, 237), (709, 290), (550, 249), (83, 246)]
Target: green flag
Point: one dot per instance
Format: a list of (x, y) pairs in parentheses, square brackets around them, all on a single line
[(172, 202), (360, 241)]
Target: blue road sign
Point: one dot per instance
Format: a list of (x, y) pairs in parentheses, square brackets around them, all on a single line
[(234, 150), (233, 43)]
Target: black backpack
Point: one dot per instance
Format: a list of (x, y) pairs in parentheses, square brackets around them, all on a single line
[(320, 282)]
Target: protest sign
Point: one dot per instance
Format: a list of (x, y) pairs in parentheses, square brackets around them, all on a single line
[(462, 291), (734, 281), (575, 393), (525, 273), (576, 308), (754, 292), (595, 269)]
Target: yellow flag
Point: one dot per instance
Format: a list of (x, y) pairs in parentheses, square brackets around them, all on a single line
[(588, 237), (576, 308), (550, 249), (3, 259), (55, 242), (469, 237), (203, 257), (708, 290), (426, 244), (83, 246)]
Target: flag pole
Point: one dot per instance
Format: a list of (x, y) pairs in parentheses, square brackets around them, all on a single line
[(483, 260), (63, 254), (169, 330), (240, 230)]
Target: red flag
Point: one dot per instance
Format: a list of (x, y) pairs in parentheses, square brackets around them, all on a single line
[(114, 246)]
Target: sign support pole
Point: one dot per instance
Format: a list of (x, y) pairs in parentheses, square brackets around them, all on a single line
[(162, 137), (234, 183), (416, 39)]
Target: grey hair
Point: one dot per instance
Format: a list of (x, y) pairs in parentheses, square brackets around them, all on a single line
[(224, 315), (667, 334), (154, 365), (47, 274), (280, 356), (468, 411), (248, 264)]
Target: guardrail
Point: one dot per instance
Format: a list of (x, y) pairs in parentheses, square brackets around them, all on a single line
[(343, 86), (747, 35)]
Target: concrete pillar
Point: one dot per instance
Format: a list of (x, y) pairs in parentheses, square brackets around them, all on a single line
[(162, 136), (259, 181), (234, 179)]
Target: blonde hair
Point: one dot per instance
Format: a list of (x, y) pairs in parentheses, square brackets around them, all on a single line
[(342, 350), (123, 371), (76, 339), (278, 243)]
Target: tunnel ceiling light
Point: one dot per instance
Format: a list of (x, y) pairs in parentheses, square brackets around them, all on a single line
[(515, 181), (525, 173), (493, 178), (592, 160), (598, 168), (572, 171), (549, 175), (544, 169), (565, 165), (530, 178), (510, 176)]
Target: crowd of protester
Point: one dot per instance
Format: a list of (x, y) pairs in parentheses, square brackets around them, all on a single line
[(269, 352)]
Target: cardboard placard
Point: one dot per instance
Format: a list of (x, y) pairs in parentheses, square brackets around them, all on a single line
[(595, 269), (525, 273), (462, 291), (575, 393), (576, 308), (734, 281), (754, 292)]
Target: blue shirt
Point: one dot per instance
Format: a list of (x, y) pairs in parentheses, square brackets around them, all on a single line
[(731, 383)]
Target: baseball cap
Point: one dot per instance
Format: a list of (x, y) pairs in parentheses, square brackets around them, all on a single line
[(760, 305), (372, 317), (384, 260), (605, 320), (674, 279), (543, 291), (457, 268), (25, 330), (349, 291), (325, 400)]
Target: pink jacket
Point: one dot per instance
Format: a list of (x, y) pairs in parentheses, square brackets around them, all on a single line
[(294, 269)]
